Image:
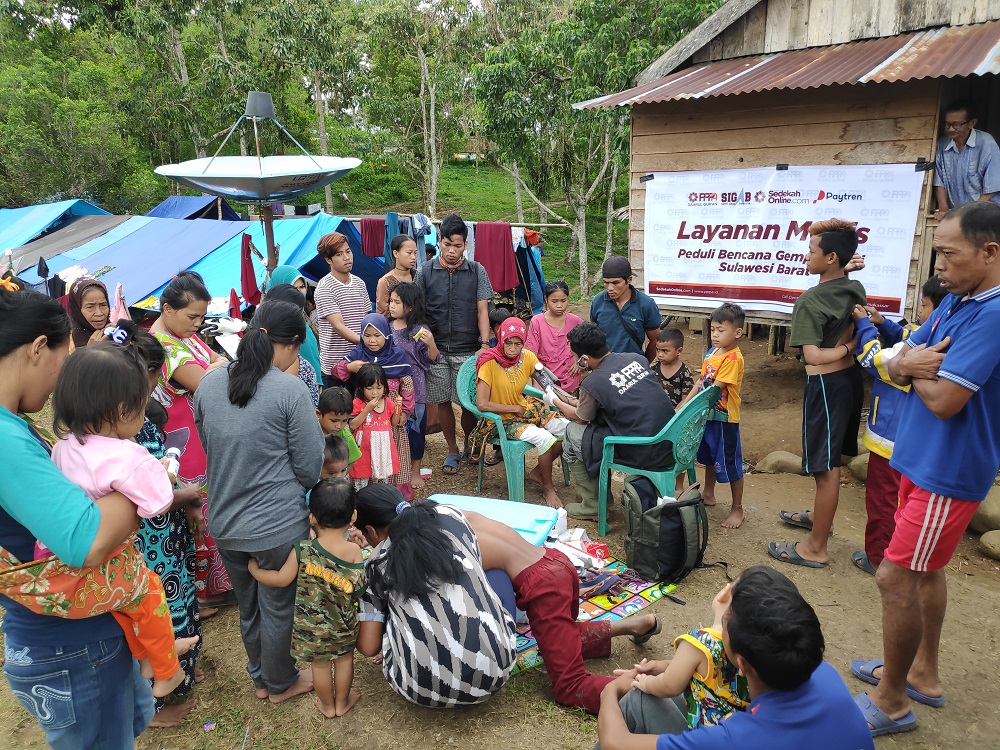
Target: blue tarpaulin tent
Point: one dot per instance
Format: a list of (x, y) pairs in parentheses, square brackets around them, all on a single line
[(194, 207), (18, 226), (370, 270), (146, 259)]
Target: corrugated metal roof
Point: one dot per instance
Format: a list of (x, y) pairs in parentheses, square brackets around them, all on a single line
[(935, 53)]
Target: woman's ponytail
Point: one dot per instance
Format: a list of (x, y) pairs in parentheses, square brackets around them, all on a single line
[(273, 322)]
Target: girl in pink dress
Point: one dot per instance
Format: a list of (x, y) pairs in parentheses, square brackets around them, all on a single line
[(547, 336), (372, 425)]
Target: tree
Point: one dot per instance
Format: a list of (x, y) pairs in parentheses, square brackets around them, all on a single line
[(528, 84)]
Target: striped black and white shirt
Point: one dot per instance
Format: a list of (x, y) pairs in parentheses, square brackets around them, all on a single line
[(452, 647)]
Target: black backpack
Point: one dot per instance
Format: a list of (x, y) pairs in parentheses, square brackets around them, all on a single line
[(664, 542)]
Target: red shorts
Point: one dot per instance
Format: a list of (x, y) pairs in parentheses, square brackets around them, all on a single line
[(928, 528)]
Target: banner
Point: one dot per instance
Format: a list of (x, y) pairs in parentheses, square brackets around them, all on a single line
[(742, 235)]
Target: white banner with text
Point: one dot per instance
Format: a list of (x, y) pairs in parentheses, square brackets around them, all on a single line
[(742, 235)]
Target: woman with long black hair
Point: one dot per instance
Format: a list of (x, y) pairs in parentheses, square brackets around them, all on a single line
[(265, 451), (445, 637)]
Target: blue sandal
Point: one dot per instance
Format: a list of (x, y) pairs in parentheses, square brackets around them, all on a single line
[(879, 722), (452, 463), (864, 671)]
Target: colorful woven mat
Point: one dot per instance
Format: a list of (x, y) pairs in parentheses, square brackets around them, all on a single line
[(638, 595)]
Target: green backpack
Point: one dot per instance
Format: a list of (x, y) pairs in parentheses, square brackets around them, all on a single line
[(664, 542)]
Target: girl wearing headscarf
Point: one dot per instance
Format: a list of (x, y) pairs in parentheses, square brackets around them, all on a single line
[(377, 346), (89, 310), (502, 372), (309, 351)]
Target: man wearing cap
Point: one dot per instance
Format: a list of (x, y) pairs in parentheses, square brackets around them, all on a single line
[(630, 318)]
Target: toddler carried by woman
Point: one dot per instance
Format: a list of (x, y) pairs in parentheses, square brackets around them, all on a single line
[(331, 578), (100, 404)]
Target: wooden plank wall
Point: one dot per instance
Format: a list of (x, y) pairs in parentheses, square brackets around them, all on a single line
[(778, 25), (872, 124)]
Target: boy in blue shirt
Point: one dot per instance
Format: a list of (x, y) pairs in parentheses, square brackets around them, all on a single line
[(882, 482), (797, 700)]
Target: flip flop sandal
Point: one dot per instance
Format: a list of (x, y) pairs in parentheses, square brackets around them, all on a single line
[(493, 459), (879, 722), (785, 552), (864, 671), (452, 464), (860, 560), (466, 457), (638, 640), (802, 522)]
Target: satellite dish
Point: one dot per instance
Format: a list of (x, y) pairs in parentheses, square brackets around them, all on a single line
[(260, 179), (252, 179)]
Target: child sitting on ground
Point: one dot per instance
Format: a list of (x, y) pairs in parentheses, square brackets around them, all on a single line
[(882, 483), (336, 459), (97, 452), (334, 413), (701, 671), (673, 374), (823, 327), (373, 421), (720, 449), (330, 574)]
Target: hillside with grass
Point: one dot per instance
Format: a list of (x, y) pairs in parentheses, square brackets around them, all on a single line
[(483, 193)]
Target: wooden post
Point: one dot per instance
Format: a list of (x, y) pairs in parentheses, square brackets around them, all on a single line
[(772, 339), (267, 216)]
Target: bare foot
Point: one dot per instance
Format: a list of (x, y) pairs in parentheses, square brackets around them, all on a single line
[(145, 669), (304, 684), (172, 715), (417, 482), (207, 612), (551, 498), (261, 693), (199, 675), (163, 688), (183, 645), (353, 696), (535, 475), (709, 500), (329, 712), (378, 659), (735, 519)]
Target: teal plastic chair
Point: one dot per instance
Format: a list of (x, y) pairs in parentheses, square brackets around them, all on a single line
[(513, 451), (684, 431)]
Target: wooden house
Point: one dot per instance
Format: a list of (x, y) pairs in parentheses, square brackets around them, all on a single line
[(812, 82)]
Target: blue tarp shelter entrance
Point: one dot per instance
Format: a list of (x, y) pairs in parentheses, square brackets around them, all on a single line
[(19, 226), (195, 207)]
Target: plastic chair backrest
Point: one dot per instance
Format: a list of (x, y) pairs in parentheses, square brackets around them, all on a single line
[(687, 427), (466, 386)]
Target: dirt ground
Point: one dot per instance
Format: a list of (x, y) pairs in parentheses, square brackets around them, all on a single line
[(522, 714)]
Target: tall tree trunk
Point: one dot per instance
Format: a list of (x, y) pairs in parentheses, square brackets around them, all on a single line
[(181, 74), (427, 120), (436, 161), (580, 230), (321, 124), (611, 208), (571, 252), (517, 192)]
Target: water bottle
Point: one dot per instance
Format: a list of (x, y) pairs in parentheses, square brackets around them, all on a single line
[(173, 461)]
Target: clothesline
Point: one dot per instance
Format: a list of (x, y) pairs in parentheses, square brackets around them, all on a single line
[(438, 221)]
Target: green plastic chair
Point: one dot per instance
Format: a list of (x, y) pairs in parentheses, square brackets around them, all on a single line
[(513, 451), (684, 430)]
